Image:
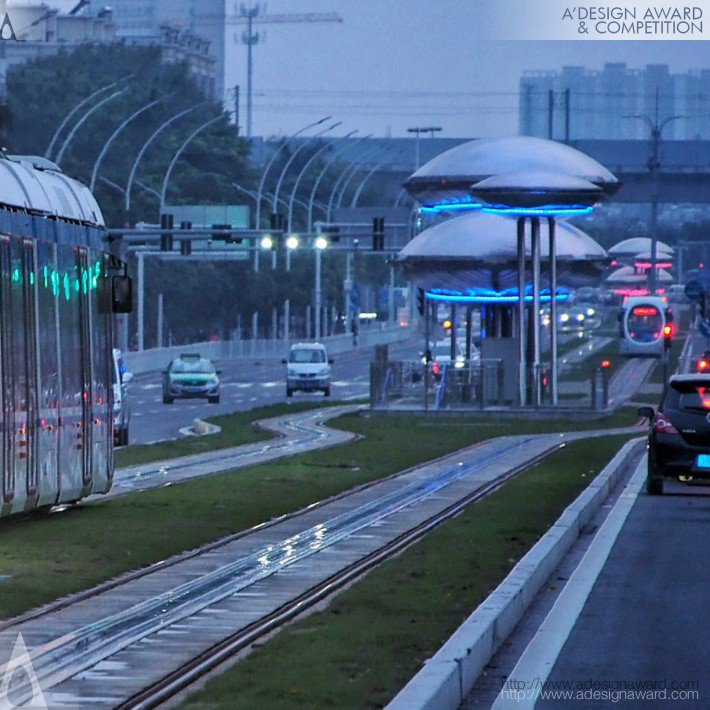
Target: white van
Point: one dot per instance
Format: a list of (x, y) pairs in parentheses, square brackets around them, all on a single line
[(307, 369), (120, 379)]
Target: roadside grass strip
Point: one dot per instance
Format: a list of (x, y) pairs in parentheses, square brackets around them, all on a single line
[(372, 638), (582, 371), (237, 429), (46, 557)]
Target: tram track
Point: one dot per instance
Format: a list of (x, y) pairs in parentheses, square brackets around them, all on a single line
[(63, 657)]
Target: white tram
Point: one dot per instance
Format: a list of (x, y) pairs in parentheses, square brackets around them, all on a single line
[(642, 324), (58, 289)]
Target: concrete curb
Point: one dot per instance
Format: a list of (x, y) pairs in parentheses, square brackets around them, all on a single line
[(447, 677), (200, 428)]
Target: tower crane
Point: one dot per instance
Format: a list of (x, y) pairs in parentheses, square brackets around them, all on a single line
[(251, 15)]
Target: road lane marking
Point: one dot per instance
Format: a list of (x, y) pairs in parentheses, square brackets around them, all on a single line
[(540, 656)]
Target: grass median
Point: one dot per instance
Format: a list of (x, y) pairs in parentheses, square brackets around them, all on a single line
[(237, 429), (373, 637), (47, 557)]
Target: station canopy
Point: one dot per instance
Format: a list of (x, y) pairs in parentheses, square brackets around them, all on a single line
[(636, 245), (627, 276), (447, 179), (475, 255)]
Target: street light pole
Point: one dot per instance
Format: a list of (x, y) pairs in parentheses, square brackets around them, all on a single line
[(361, 186), (654, 166), (272, 160), (336, 155), (292, 157), (75, 111), (417, 130), (304, 170), (179, 152), (344, 178), (114, 135), (83, 120), (145, 147)]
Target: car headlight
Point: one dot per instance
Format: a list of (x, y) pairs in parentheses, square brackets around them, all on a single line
[(459, 363), (580, 317), (564, 317), (590, 312), (291, 372), (325, 371)]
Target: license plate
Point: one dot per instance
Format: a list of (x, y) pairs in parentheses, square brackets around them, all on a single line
[(703, 461)]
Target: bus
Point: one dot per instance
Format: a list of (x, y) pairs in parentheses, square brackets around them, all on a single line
[(59, 288)]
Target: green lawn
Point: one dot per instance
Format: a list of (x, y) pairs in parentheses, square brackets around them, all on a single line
[(50, 556), (372, 638), (237, 429), (582, 371)]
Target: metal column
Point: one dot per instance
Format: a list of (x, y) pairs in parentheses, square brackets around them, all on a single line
[(522, 369), (536, 308), (141, 300), (317, 298), (553, 311)]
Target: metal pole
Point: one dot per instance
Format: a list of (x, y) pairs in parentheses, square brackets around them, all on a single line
[(522, 370), (160, 320), (567, 114), (347, 289), (287, 320), (550, 113), (75, 110), (553, 311), (114, 135), (141, 299), (177, 155), (304, 170), (318, 294), (82, 121), (390, 304), (427, 326), (536, 308)]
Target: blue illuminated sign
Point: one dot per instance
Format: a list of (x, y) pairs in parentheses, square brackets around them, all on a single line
[(485, 296)]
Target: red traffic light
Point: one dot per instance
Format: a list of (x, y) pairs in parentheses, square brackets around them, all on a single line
[(703, 365), (606, 363)]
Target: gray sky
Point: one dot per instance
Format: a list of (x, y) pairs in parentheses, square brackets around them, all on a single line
[(398, 63)]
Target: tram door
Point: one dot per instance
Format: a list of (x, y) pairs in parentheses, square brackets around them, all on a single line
[(75, 470), (18, 355)]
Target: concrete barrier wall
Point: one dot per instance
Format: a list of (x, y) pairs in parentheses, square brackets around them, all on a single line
[(447, 678), (158, 358)]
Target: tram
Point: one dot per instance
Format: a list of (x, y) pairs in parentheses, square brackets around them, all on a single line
[(58, 290), (642, 324)]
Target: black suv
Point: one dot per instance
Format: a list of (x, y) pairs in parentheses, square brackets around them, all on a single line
[(679, 440)]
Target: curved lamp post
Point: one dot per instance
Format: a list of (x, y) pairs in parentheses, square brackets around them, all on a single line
[(336, 155), (304, 170), (76, 109), (272, 160), (292, 157), (114, 135), (179, 152), (145, 147), (345, 177), (361, 186), (82, 121)]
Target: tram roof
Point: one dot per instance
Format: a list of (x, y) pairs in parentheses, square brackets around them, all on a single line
[(37, 185)]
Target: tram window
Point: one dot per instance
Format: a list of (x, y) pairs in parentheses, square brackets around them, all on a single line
[(122, 294), (70, 328), (644, 323), (46, 306)]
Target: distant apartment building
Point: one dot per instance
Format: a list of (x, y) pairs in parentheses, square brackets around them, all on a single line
[(142, 21), (596, 104)]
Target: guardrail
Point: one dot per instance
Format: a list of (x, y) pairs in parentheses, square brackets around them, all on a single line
[(158, 358)]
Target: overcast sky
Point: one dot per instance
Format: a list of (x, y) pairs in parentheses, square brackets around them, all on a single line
[(398, 63)]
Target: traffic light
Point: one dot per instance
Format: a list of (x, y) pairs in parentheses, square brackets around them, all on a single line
[(186, 244), (704, 365), (378, 234), (277, 222), (421, 301), (667, 335), (226, 238), (332, 232), (166, 240)]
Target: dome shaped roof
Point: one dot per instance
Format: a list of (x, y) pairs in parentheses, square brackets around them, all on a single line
[(453, 172), (491, 237), (478, 250), (638, 244), (626, 275)]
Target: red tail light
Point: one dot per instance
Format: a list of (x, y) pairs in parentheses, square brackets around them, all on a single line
[(435, 368), (663, 425), (703, 365)]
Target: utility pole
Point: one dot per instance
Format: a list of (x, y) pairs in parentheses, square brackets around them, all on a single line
[(654, 166), (550, 114), (251, 15), (567, 115), (236, 109)]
